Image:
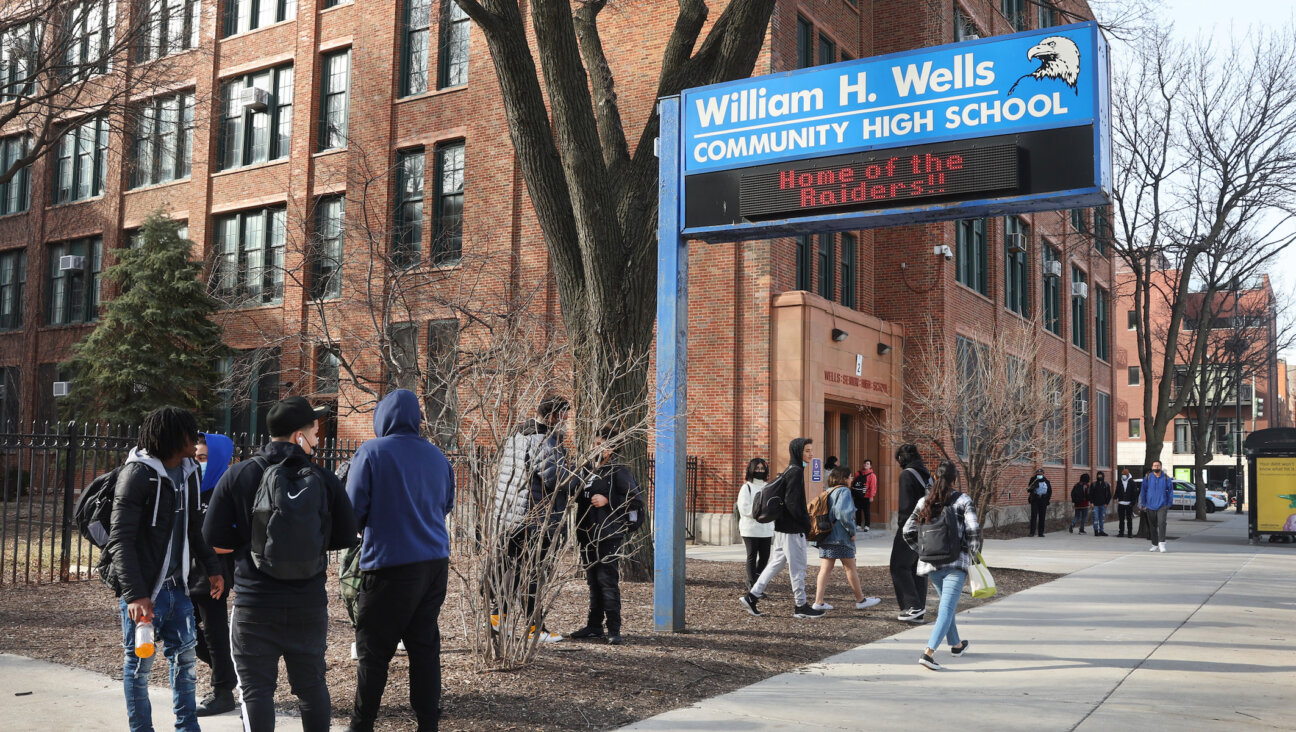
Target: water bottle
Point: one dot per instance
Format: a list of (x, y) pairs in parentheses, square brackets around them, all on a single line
[(144, 647)]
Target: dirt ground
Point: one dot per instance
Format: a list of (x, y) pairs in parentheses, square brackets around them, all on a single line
[(572, 685)]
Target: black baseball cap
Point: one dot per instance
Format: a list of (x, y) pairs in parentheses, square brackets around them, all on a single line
[(291, 414)]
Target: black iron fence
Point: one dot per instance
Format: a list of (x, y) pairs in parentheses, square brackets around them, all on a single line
[(44, 468)]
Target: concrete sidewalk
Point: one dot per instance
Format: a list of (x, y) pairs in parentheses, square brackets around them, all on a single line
[(1198, 638)]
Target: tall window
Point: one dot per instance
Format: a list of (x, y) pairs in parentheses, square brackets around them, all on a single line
[(328, 366), (447, 224), (333, 107), (169, 26), (1134, 375), (1046, 14), (163, 145), (1078, 220), (971, 261), (452, 62), (1135, 428), (1183, 442), (249, 250), (1016, 273), (1054, 427), (89, 38), (964, 28), (14, 195), (242, 16), (827, 50), (440, 395), (967, 354), (804, 262), (1102, 231), (1051, 288), (805, 43), (19, 49), (1079, 312), (415, 40), (1080, 424), (407, 239), (10, 376), (256, 126), (1102, 419), (1101, 326), (244, 411), (826, 269), (326, 260), (1015, 12), (13, 282), (402, 366), (79, 170), (849, 246), (74, 291), (1131, 320)]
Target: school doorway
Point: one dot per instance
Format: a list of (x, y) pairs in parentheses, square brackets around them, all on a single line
[(851, 435)]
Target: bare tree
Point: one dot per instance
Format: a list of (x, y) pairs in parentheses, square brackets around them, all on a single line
[(988, 406)]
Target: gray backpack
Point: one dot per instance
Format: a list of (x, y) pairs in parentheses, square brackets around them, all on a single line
[(291, 523)]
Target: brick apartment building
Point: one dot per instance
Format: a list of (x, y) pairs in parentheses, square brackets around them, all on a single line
[(408, 86), (1264, 398)]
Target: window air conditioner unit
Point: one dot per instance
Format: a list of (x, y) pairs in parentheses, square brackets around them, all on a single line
[(71, 263), (1016, 243), (1053, 269), (1082, 406), (971, 36), (62, 388), (256, 99), (1080, 290), (1055, 399)]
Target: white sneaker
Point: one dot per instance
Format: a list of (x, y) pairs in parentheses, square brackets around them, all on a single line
[(1154, 547), (868, 602), (545, 636), (822, 606), (1161, 547)]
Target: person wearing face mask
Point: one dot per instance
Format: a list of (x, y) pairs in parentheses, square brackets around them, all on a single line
[(757, 536), (1039, 493), (1126, 495), (1154, 500), (280, 601), (789, 536), (211, 614)]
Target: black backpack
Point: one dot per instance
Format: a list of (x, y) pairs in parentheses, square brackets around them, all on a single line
[(938, 539), (769, 504), (93, 512), (291, 523)]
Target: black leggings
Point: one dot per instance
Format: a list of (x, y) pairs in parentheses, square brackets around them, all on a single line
[(758, 554)]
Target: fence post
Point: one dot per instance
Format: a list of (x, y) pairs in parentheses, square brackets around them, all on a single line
[(69, 485)]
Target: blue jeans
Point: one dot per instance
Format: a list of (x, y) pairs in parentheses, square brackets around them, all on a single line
[(1100, 518), (1081, 515), (949, 583), (173, 628)]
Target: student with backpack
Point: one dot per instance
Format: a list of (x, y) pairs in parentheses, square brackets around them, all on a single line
[(756, 536), (279, 514), (1100, 494), (910, 589), (839, 544), (155, 527), (944, 532), (211, 613), (790, 527)]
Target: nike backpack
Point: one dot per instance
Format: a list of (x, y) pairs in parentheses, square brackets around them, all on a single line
[(769, 505), (291, 523), (939, 540)]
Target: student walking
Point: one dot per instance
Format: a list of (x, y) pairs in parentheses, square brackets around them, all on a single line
[(948, 577), (1154, 500), (211, 613), (156, 528), (789, 535), (910, 589), (756, 536), (1080, 502), (1100, 494), (280, 561), (839, 546), (1126, 496), (1038, 494), (402, 488), (863, 491), (608, 508)]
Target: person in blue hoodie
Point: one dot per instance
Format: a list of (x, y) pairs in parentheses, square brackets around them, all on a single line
[(1154, 500), (211, 614), (402, 487)]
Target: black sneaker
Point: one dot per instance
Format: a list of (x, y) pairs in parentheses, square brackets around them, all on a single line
[(807, 611), (959, 650), (614, 639), (929, 662), (217, 702), (749, 601), (912, 615), (589, 631)]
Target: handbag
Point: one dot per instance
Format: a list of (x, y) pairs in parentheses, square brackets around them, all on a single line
[(980, 579)]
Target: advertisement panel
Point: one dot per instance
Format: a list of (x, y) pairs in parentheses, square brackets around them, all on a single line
[(1275, 492)]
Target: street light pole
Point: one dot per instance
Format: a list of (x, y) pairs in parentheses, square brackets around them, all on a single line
[(1237, 385)]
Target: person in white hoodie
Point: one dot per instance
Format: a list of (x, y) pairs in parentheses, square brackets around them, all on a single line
[(756, 536)]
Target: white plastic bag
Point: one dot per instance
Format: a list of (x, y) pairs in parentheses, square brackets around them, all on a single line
[(980, 579)]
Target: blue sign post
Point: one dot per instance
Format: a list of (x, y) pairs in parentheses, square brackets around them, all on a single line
[(1000, 125)]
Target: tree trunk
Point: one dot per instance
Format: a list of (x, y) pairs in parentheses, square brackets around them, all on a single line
[(1199, 480)]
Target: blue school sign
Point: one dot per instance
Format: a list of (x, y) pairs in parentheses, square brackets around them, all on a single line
[(1000, 125)]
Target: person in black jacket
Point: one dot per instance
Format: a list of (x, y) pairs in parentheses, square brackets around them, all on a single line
[(1038, 494), (156, 528), (1126, 498), (279, 617), (1080, 502), (211, 614), (1100, 494), (789, 535), (608, 508), (910, 589)]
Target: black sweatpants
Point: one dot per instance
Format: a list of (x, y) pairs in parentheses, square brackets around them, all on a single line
[(603, 575), (1039, 514), (400, 604), (758, 554), (1125, 514), (260, 637), (910, 589), (214, 640)]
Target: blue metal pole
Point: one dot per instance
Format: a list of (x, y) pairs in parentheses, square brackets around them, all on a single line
[(670, 451)]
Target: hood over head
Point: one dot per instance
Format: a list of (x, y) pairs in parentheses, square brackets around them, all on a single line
[(398, 414), (220, 449), (794, 449)]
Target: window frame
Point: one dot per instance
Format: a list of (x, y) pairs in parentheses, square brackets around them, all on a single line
[(444, 332), (1081, 426), (1102, 457), (15, 195), (149, 141), (335, 104), (849, 252), (322, 382), (1051, 292), (453, 49), (70, 161), (86, 53), (1014, 11), (11, 398), (156, 40), (1134, 376), (1135, 428), (447, 228), (804, 263), (63, 296), (805, 57), (13, 288), (243, 125), (1101, 334), (284, 11), (826, 46), (328, 247), (1017, 268), (236, 257), (825, 265), (416, 34), (1079, 312), (407, 226), (972, 258), (19, 58)]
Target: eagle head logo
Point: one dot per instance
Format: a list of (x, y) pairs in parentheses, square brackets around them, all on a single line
[(1059, 58)]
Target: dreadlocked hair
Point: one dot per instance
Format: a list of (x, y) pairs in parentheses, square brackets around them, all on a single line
[(946, 478), (166, 431)]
